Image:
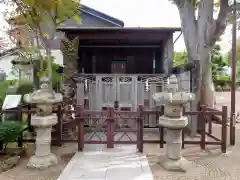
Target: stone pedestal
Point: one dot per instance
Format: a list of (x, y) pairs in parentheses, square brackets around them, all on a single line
[(173, 160), (174, 121), (43, 157)]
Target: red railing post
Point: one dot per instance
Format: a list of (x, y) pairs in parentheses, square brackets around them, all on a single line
[(203, 127), (224, 129), (29, 115), (110, 122), (161, 128), (80, 120), (59, 126), (183, 130)]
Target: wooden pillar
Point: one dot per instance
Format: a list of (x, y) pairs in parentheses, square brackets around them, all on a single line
[(82, 62), (80, 93), (168, 54), (93, 64)]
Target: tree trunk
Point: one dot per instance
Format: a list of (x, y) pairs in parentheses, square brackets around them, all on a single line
[(49, 62), (200, 34), (69, 50), (198, 40), (207, 91)]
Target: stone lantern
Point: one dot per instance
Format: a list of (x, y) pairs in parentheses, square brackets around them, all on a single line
[(174, 122), (24, 66), (2, 75), (44, 119)]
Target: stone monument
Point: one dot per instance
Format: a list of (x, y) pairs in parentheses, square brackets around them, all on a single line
[(3, 75), (174, 122), (43, 120), (25, 68)]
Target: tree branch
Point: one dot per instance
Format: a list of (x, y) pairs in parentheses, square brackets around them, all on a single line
[(177, 2), (220, 23)]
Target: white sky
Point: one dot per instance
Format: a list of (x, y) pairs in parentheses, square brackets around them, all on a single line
[(149, 13), (141, 13)]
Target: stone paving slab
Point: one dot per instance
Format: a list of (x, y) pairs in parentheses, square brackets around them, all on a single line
[(122, 162)]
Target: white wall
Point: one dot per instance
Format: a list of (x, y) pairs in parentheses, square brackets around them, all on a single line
[(6, 65)]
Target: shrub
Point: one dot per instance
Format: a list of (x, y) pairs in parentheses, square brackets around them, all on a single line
[(10, 131), (4, 87), (25, 88)]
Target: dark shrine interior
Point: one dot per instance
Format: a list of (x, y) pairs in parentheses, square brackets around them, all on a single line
[(120, 56)]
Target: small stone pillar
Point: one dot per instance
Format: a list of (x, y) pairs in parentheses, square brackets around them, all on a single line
[(174, 122), (2, 75), (44, 98), (25, 68)]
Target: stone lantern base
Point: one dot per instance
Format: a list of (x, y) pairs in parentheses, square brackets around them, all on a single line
[(172, 164), (42, 162), (173, 160), (43, 157)]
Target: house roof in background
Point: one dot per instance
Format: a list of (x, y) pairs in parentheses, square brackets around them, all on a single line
[(8, 52), (101, 15), (90, 11), (120, 29)]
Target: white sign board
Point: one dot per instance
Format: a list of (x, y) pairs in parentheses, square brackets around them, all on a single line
[(11, 101)]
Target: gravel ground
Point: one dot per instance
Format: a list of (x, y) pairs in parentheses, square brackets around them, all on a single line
[(21, 172), (209, 164), (224, 99)]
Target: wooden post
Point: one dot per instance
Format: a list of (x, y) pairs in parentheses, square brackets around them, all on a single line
[(110, 120), (1, 143), (20, 110), (203, 128), (140, 129), (20, 139), (210, 124), (29, 115), (59, 126), (183, 138), (161, 129), (198, 118), (183, 130), (224, 129), (80, 120)]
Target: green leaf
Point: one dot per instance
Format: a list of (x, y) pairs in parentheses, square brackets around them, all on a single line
[(77, 18), (28, 2)]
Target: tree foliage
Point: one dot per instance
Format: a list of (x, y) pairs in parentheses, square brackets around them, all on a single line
[(25, 88), (56, 77), (42, 18), (217, 60), (37, 14), (180, 58), (229, 58)]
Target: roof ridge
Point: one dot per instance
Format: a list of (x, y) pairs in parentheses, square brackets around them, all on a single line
[(102, 15)]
